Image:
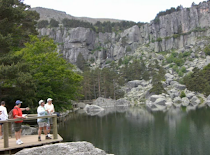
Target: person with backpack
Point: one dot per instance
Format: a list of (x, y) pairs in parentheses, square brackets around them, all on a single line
[(3, 116), (17, 113), (42, 122)]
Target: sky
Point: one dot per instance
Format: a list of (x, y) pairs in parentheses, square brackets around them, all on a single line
[(132, 10)]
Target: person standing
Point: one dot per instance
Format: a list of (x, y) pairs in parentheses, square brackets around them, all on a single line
[(17, 113), (42, 122), (50, 109), (3, 116)]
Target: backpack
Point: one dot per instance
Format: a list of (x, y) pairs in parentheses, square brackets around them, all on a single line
[(10, 115)]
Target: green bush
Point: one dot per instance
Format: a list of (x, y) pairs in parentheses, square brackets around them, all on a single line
[(159, 39), (182, 94), (207, 50)]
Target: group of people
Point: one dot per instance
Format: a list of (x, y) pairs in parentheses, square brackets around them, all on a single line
[(43, 123)]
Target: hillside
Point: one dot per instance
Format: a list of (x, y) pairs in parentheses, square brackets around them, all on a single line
[(47, 14)]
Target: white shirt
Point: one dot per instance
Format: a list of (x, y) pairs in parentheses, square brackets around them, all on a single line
[(4, 115), (49, 107)]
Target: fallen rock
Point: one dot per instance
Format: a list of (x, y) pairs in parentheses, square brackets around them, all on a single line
[(73, 148), (93, 109), (190, 95), (122, 102), (153, 98), (185, 101), (81, 105), (160, 101), (104, 102), (194, 101), (179, 86)]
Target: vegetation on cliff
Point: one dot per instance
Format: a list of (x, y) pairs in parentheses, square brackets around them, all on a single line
[(199, 80), (98, 27)]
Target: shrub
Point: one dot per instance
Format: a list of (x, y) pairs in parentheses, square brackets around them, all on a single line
[(159, 39), (42, 24), (182, 94)]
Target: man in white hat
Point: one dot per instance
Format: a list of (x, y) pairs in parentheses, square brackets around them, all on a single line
[(42, 122), (50, 109)]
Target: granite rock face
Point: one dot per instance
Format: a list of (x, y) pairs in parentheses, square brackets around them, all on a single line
[(177, 30)]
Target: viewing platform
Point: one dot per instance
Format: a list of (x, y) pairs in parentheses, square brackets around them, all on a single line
[(8, 143)]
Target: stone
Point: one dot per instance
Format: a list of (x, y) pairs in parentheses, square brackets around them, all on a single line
[(93, 109), (179, 86), (153, 98), (81, 105), (194, 101), (208, 102), (133, 84), (72, 148), (27, 130), (160, 101), (190, 95), (185, 101), (169, 76), (177, 100), (104, 102), (208, 98), (122, 102)]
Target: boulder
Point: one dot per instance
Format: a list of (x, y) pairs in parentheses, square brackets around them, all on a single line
[(160, 101), (208, 102), (27, 130), (133, 84), (190, 95), (177, 100), (208, 98), (179, 86), (194, 101), (93, 109), (185, 101), (72, 148), (104, 102), (169, 76), (153, 98), (81, 105), (122, 102)]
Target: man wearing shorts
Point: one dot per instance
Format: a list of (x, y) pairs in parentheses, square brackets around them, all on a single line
[(17, 113), (42, 122), (50, 109)]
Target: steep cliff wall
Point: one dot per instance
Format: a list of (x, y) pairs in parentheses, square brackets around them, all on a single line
[(177, 30)]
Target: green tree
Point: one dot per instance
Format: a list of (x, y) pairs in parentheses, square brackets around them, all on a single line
[(53, 75), (17, 22), (42, 24), (54, 23)]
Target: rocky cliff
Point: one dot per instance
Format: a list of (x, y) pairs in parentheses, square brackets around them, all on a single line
[(178, 30)]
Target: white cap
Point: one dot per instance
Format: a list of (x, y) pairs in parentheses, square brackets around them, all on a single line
[(41, 101), (49, 99)]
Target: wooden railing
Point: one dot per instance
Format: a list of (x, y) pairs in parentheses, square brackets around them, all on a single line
[(8, 124)]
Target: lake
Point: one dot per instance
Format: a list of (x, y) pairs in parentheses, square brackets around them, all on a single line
[(137, 131)]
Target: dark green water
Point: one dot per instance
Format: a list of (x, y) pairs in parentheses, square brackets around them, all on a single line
[(136, 131)]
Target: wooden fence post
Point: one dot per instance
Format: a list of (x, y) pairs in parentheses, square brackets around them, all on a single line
[(6, 135), (55, 129)]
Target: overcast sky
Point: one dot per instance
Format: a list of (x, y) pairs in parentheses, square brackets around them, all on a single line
[(134, 10)]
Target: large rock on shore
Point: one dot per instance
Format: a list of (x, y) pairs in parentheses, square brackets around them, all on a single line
[(73, 148), (93, 109), (104, 102)]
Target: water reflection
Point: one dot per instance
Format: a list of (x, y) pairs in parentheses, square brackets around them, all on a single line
[(134, 131)]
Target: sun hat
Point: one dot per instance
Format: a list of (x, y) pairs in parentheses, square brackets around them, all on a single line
[(49, 99), (18, 102), (41, 101)]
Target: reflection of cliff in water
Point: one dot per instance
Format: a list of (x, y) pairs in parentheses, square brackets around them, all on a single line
[(139, 115)]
